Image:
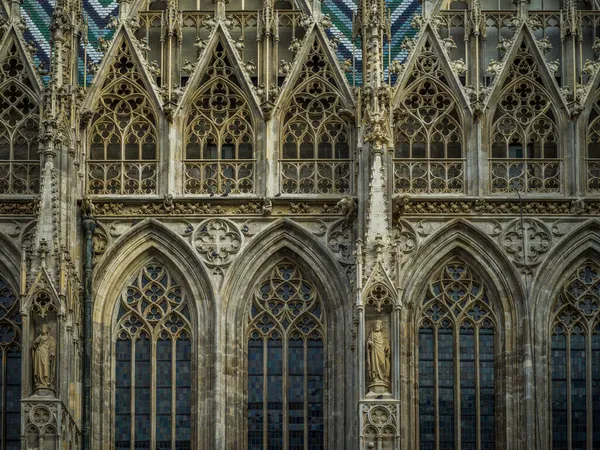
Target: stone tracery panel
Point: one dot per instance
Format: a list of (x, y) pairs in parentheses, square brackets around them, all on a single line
[(524, 138), (593, 149), (219, 134), (315, 139), (19, 127), (428, 132), (457, 323), (286, 354), (575, 360), (123, 143), (153, 363)]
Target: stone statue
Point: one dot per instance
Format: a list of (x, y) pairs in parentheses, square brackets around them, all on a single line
[(44, 357), (378, 359)]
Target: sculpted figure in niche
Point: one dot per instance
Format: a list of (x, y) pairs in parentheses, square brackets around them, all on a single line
[(378, 359), (44, 357)]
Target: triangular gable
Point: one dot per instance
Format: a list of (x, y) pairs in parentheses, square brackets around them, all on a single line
[(428, 44), (42, 284), (220, 39), (12, 46), (316, 47), (524, 43), (110, 69), (379, 291)]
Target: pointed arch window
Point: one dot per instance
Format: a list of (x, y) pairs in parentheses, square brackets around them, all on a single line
[(525, 143), (219, 134), (457, 347), (123, 143), (286, 356), (428, 156), (10, 375), (315, 138), (593, 149), (575, 361), (19, 127), (153, 364)]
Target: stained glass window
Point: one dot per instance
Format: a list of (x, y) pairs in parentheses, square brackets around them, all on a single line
[(153, 364), (286, 357), (575, 362), (456, 363), (10, 377)]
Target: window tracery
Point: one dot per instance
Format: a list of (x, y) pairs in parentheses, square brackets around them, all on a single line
[(286, 354), (525, 146), (219, 145), (315, 140), (575, 361), (153, 363), (123, 140), (10, 377), (456, 362), (593, 149), (428, 132), (19, 127)]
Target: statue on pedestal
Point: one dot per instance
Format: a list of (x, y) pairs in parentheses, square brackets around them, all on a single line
[(44, 357), (378, 359)]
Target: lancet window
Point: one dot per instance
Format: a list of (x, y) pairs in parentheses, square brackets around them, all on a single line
[(428, 154), (219, 135), (525, 146), (286, 354), (575, 361), (19, 127), (456, 362), (593, 149), (123, 145), (153, 363), (315, 139), (10, 376)]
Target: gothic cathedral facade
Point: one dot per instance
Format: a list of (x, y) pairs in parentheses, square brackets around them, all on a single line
[(249, 224)]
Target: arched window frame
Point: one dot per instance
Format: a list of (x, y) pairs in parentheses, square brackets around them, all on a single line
[(19, 159), (122, 138), (428, 113), (592, 150), (10, 363), (436, 312), (268, 326), (222, 110), (306, 165), (177, 326), (574, 360), (525, 150)]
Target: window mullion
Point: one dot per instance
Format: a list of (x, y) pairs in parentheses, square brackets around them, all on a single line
[(436, 388), (457, 405), (284, 393), (477, 392), (3, 403), (588, 389), (305, 381), (569, 411), (153, 393), (265, 394), (173, 392), (132, 393)]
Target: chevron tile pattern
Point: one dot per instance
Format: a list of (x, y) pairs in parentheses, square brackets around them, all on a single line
[(37, 15)]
